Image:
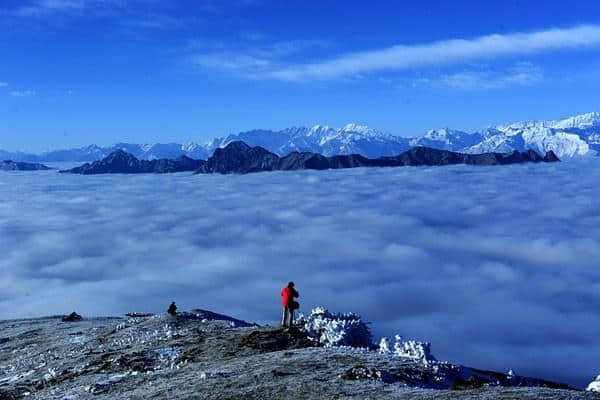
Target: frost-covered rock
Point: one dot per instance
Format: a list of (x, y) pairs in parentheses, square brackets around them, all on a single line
[(369, 374), (336, 329), (594, 386)]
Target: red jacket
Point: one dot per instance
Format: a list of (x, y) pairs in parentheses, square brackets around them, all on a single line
[(287, 296)]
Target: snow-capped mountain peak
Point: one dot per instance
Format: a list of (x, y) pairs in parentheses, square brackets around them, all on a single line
[(318, 128), (447, 139), (316, 131), (190, 146), (443, 134), (566, 137)]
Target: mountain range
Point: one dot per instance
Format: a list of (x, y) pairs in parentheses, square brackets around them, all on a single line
[(569, 137), (239, 158)]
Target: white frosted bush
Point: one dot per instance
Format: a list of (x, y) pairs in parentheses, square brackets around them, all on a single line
[(594, 386), (384, 346), (336, 329), (408, 348)]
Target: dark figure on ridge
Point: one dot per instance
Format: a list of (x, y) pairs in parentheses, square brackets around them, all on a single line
[(289, 304), (172, 309), (73, 317)]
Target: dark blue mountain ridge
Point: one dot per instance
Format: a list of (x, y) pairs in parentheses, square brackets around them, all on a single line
[(239, 158), (121, 162), (9, 165)]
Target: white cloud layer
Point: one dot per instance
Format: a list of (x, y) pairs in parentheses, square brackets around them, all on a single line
[(445, 52), (496, 266)]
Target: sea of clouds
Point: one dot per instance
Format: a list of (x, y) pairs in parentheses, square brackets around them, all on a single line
[(497, 266)]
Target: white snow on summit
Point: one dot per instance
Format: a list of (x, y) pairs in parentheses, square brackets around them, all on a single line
[(582, 121), (567, 137), (447, 139)]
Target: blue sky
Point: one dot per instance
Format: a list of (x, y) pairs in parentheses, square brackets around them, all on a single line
[(76, 72)]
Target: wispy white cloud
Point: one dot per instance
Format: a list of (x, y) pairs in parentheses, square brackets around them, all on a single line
[(520, 74), (3, 84), (445, 52), (87, 8), (124, 12), (23, 93), (43, 8), (158, 21), (245, 64), (251, 61)]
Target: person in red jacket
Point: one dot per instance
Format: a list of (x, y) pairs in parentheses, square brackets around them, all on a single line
[(289, 304)]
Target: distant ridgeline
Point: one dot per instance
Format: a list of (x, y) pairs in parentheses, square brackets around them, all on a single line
[(9, 165), (239, 158), (120, 162)]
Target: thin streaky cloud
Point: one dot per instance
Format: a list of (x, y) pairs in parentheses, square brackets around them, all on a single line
[(49, 8), (43, 8), (443, 52), (23, 93), (3, 84), (251, 61), (159, 21), (471, 80), (520, 75)]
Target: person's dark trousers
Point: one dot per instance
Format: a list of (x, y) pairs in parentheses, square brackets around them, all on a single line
[(288, 317)]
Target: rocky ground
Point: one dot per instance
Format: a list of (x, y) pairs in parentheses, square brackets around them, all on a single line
[(203, 355)]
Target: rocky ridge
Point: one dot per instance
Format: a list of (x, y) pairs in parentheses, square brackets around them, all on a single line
[(121, 162), (206, 355), (238, 157), (9, 165)]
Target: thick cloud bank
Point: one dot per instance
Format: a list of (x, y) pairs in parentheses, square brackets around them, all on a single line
[(496, 266)]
